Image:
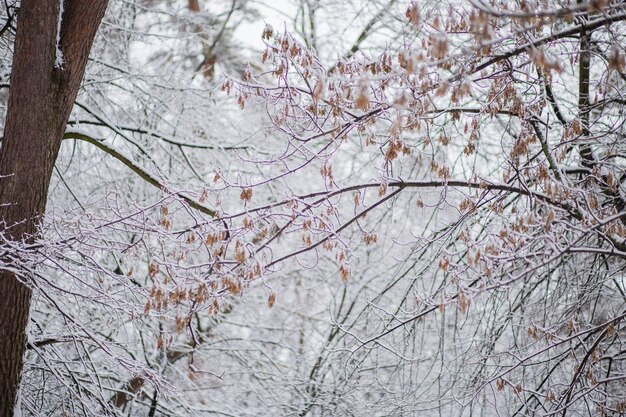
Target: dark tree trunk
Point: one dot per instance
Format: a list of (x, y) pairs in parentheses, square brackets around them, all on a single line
[(41, 96)]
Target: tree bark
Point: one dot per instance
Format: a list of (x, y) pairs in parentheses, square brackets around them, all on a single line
[(41, 95)]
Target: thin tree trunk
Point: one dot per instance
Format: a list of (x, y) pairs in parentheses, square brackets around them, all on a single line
[(584, 108), (41, 97)]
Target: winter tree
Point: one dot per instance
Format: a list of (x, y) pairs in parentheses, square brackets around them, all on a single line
[(49, 59), (391, 208)]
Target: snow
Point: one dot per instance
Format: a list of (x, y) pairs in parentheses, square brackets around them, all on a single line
[(58, 62)]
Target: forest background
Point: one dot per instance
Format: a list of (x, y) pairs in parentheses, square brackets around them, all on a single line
[(314, 208)]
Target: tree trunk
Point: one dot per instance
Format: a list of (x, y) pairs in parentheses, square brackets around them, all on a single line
[(41, 96)]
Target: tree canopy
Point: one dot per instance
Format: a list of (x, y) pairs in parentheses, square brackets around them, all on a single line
[(362, 208)]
